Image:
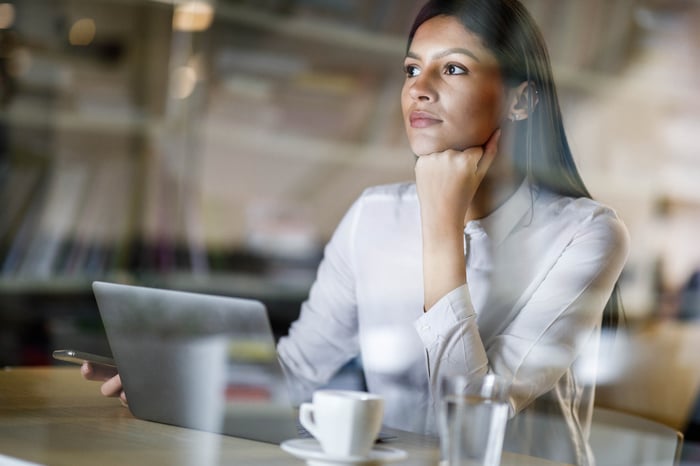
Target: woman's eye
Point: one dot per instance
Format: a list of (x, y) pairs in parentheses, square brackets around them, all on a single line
[(455, 69), (411, 71)]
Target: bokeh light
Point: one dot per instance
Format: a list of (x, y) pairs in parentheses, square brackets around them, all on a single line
[(82, 32), (7, 15)]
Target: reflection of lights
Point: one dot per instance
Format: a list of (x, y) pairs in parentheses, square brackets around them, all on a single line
[(390, 350), (193, 16), (248, 87), (82, 32), (196, 62), (7, 15), (184, 81), (608, 364)]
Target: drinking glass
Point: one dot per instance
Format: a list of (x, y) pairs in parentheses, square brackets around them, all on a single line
[(473, 416)]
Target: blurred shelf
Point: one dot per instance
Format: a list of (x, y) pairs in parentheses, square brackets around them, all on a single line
[(293, 285), (330, 33), (316, 149), (69, 120), (322, 150), (52, 285)]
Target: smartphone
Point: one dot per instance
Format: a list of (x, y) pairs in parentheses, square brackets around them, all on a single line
[(79, 357)]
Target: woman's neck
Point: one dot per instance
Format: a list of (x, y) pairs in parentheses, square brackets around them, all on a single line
[(492, 193)]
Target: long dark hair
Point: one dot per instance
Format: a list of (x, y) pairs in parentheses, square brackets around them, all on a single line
[(542, 151)]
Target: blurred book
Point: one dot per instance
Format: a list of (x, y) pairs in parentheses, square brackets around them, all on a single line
[(57, 216), (19, 185), (22, 197), (102, 228)]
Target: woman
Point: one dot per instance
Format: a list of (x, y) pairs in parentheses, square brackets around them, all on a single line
[(494, 260), (497, 195)]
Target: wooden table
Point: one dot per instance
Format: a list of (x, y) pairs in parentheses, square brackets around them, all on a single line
[(52, 416)]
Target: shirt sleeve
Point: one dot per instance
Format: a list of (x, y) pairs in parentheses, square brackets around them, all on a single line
[(555, 324), (451, 338), (550, 329), (324, 337)]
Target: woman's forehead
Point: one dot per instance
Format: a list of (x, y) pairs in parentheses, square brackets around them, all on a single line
[(445, 33)]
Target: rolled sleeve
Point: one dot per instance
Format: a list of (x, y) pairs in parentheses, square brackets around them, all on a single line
[(451, 339), (453, 308)]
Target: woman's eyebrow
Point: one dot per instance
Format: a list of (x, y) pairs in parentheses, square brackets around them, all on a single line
[(445, 53)]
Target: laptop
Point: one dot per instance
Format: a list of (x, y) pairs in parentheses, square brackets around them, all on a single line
[(198, 361)]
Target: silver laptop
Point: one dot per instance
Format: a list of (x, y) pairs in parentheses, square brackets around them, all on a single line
[(199, 361)]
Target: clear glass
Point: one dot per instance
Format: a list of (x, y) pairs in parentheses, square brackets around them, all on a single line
[(473, 416)]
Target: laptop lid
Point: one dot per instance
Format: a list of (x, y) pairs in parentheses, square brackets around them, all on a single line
[(199, 361)]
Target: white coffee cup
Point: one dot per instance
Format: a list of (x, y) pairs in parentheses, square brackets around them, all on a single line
[(345, 422)]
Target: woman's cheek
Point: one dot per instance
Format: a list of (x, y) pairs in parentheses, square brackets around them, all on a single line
[(483, 122)]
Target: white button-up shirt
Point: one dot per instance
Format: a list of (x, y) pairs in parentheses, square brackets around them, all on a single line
[(539, 272)]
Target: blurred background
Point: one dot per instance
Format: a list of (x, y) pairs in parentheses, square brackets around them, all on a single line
[(213, 146)]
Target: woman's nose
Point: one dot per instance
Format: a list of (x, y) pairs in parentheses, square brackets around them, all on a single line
[(422, 88)]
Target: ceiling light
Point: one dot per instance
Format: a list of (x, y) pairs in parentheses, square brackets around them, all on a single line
[(193, 16)]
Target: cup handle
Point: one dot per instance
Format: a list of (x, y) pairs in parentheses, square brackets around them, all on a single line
[(306, 417)]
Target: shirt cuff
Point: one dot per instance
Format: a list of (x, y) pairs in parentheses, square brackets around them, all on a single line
[(451, 309)]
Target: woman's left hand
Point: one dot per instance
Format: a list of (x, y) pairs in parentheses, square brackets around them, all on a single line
[(111, 381)]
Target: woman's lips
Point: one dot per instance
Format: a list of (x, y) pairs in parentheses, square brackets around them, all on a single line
[(420, 119)]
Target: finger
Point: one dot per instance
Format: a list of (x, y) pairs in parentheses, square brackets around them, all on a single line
[(490, 151), (492, 144), (86, 370), (112, 387), (122, 399), (97, 372)]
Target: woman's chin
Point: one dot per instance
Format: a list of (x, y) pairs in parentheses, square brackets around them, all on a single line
[(423, 145), (426, 149)]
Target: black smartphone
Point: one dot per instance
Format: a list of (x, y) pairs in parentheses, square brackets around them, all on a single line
[(79, 357)]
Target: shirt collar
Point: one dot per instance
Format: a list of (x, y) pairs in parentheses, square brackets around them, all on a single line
[(501, 221)]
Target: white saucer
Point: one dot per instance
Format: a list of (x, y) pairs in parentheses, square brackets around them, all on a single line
[(310, 450)]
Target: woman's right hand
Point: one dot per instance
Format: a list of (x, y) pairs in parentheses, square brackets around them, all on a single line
[(112, 384), (447, 183)]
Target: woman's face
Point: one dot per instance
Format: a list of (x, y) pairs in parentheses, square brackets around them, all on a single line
[(453, 96)]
